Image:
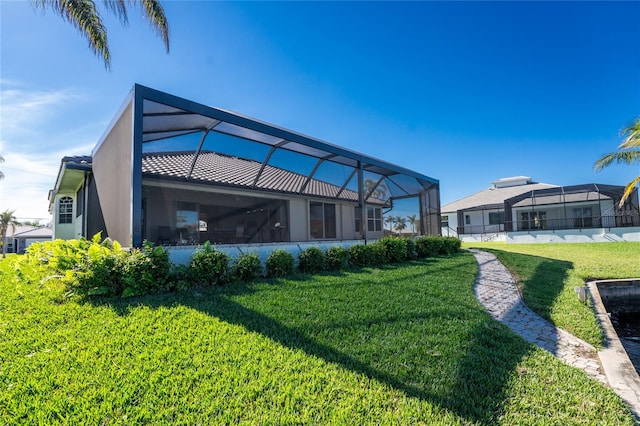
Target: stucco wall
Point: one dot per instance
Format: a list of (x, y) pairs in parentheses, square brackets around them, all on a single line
[(112, 170), (575, 235), (299, 219)]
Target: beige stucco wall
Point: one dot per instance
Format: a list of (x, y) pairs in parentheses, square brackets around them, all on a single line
[(112, 170)]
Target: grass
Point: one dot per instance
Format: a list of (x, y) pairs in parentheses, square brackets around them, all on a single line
[(407, 344), (548, 273)]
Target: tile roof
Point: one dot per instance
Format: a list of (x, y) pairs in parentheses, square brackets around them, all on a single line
[(212, 167), (492, 197), (28, 231)]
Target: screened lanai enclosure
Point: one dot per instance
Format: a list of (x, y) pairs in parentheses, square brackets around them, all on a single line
[(176, 172), (572, 207)]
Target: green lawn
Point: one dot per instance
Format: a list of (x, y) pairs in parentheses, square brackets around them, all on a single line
[(406, 344), (548, 274)]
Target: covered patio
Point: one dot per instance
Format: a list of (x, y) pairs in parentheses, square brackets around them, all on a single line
[(177, 172)]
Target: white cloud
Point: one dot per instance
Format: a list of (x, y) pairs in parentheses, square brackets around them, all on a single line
[(26, 113), (34, 136)]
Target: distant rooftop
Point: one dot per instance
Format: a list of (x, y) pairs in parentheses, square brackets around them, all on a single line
[(511, 181), (494, 196)]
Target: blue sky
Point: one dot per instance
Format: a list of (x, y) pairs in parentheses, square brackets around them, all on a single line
[(465, 92)]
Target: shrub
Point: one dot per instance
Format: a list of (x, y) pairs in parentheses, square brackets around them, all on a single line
[(209, 266), (410, 245), (433, 246), (145, 270), (247, 267), (337, 258), (311, 260), (450, 245), (428, 246), (377, 254), (179, 277), (359, 255), (279, 263), (97, 266), (94, 267), (395, 249)]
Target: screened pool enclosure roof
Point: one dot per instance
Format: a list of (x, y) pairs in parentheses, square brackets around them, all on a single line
[(173, 124)]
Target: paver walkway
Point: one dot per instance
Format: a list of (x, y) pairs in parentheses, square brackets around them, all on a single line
[(496, 290)]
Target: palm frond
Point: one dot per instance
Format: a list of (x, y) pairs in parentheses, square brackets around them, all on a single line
[(118, 8), (631, 135), (628, 189), (624, 157), (155, 15), (83, 15)]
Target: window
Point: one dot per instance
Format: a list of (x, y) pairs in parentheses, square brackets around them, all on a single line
[(65, 210), (445, 222), (322, 220), (374, 219), (583, 217), (533, 220), (467, 219), (496, 218)]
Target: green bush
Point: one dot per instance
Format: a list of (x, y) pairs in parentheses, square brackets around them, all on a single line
[(433, 246), (451, 245), (179, 277), (146, 270), (360, 255), (428, 246), (247, 267), (311, 260), (410, 245), (395, 249), (337, 258), (377, 254), (209, 266), (280, 263)]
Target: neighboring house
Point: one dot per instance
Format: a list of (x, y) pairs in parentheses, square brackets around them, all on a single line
[(25, 235), (175, 172), (483, 213), (518, 210)]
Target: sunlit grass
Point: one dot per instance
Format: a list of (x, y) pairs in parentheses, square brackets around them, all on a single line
[(407, 344), (548, 274)]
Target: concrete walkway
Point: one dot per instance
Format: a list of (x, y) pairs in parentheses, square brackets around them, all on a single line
[(496, 290)]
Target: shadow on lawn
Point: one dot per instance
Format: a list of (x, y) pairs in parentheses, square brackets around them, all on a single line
[(470, 381), (540, 279)]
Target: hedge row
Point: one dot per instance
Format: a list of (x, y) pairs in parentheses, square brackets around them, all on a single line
[(94, 267)]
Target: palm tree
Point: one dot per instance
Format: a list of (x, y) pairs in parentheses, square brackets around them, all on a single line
[(401, 223), (391, 221), (7, 220), (629, 153), (413, 221), (83, 15)]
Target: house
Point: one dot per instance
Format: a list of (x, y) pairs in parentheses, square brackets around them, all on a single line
[(23, 236), (179, 173), (482, 215), (519, 210)]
